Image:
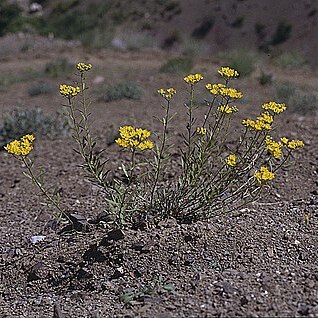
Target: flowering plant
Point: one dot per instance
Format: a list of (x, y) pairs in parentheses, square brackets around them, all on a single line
[(212, 177)]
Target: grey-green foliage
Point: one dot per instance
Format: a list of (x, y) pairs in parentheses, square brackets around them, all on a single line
[(178, 65), (241, 60), (285, 90), (9, 14), (39, 89), (122, 90), (265, 78), (291, 60), (7, 79), (303, 103), (58, 67), (19, 122), (297, 101)]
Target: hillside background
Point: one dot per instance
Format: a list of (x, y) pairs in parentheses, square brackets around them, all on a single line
[(204, 26)]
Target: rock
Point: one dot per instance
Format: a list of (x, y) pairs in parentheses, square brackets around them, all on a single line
[(98, 80), (37, 238), (270, 251), (114, 235), (118, 43), (119, 272), (228, 288), (35, 272), (83, 273), (57, 313), (188, 260), (93, 254), (243, 301), (303, 309), (143, 247)]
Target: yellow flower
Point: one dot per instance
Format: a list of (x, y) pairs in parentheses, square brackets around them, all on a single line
[(284, 140), (227, 109), (193, 78), (275, 147), (274, 107), (264, 175), (82, 67), (21, 147), (215, 89), (266, 117), (201, 131), (69, 91), (228, 73), (231, 160), (256, 125), (168, 93), (145, 145), (221, 89), (293, 144), (131, 137)]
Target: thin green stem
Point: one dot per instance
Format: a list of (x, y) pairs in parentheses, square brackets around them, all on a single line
[(161, 152), (78, 137), (190, 123), (84, 111), (42, 189), (130, 177), (206, 117)]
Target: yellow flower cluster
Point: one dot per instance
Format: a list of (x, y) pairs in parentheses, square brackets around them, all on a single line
[(256, 124), (21, 147), (231, 160), (201, 131), (82, 67), (264, 175), (221, 89), (168, 93), (228, 73), (266, 117), (292, 144), (69, 91), (274, 107), (134, 138), (193, 78), (227, 109), (275, 147)]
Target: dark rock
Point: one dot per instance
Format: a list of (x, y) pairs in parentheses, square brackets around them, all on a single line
[(142, 246), (119, 272), (35, 272), (79, 222), (303, 309), (83, 273), (173, 260), (101, 217), (243, 301), (137, 273), (94, 254), (188, 260), (114, 235), (228, 288), (188, 238), (138, 246), (314, 192), (57, 313)]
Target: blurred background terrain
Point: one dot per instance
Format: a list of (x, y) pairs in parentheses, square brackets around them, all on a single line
[(208, 26)]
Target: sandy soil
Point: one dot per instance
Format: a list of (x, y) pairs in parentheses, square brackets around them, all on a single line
[(256, 262)]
